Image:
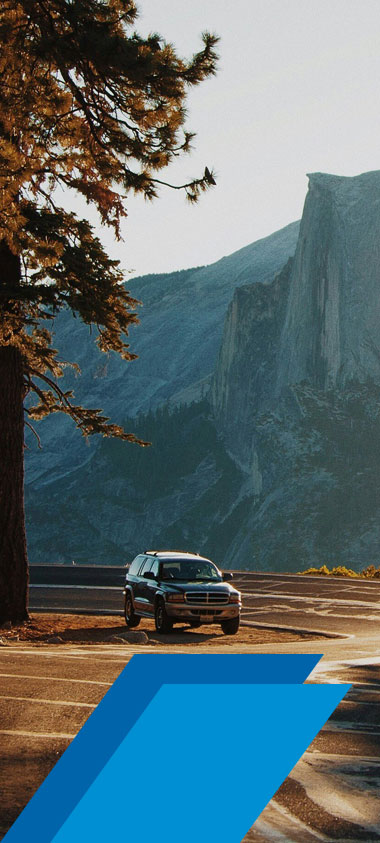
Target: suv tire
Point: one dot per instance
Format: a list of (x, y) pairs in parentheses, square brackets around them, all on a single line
[(231, 626), (161, 618), (131, 619)]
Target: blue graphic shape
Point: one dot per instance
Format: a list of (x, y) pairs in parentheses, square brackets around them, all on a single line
[(124, 703), (201, 763)]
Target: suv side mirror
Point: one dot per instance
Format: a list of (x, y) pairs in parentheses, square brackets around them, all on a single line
[(227, 576), (149, 575)]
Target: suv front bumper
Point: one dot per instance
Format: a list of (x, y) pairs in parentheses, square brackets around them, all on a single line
[(216, 614)]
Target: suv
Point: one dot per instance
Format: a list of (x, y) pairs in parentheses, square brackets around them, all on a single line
[(173, 587)]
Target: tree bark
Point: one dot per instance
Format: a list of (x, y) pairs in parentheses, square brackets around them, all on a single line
[(13, 553)]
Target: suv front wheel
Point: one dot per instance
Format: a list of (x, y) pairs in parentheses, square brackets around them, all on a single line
[(131, 619), (162, 620), (231, 626)]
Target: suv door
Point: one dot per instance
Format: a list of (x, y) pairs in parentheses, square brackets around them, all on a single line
[(142, 593), (150, 586), (133, 579)]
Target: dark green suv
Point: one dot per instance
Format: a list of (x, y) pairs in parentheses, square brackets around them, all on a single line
[(177, 587)]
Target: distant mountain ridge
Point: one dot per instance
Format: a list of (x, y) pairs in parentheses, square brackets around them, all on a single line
[(177, 342), (258, 381)]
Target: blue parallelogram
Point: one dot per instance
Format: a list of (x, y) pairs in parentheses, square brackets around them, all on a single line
[(201, 763), (126, 701)]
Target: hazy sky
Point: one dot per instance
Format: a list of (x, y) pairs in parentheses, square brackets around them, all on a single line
[(298, 91)]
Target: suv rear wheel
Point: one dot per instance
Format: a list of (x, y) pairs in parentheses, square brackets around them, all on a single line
[(131, 619), (162, 620), (231, 626)]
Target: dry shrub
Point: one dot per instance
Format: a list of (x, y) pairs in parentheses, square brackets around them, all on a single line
[(341, 571)]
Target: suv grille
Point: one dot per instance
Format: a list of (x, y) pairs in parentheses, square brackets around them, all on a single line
[(207, 598)]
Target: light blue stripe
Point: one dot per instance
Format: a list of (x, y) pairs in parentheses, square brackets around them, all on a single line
[(201, 763)]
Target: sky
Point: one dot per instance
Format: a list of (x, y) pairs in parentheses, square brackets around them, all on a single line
[(298, 91)]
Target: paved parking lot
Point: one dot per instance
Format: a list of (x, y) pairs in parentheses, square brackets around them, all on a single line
[(45, 697), (47, 692)]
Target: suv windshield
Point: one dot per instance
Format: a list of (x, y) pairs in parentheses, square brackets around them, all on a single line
[(189, 570)]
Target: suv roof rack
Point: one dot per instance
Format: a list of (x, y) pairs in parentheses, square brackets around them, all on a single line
[(156, 552)]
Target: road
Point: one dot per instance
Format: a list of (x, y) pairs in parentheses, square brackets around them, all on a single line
[(333, 793), (334, 606)]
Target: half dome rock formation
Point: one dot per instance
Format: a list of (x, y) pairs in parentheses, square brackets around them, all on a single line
[(332, 328), (296, 392)]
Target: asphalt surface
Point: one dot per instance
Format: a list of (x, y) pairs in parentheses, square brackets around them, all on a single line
[(333, 793), (332, 605)]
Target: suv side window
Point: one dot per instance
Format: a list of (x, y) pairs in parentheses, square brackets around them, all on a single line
[(135, 565), (155, 566), (146, 566)]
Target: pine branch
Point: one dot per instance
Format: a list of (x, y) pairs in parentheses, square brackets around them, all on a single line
[(35, 434)]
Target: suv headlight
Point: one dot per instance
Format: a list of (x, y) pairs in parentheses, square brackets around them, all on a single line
[(175, 597), (235, 597)]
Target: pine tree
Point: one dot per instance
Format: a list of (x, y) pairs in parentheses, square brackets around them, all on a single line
[(87, 107)]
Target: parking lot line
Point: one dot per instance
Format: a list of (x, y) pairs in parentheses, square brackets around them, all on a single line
[(23, 734), (55, 679), (107, 655), (47, 702)]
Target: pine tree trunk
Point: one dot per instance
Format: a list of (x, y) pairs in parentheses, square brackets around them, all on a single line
[(13, 554)]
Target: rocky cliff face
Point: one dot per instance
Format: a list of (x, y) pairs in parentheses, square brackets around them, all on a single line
[(246, 372), (296, 398), (331, 333)]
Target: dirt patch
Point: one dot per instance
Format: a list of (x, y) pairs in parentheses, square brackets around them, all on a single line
[(53, 628)]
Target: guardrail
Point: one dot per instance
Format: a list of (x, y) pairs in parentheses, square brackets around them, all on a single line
[(95, 575)]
